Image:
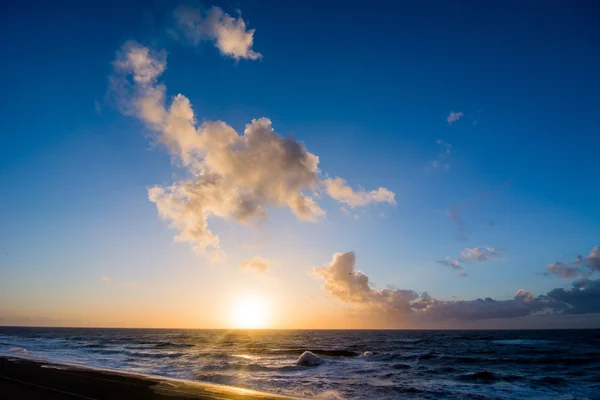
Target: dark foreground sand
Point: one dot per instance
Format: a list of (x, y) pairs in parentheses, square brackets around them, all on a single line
[(26, 379)]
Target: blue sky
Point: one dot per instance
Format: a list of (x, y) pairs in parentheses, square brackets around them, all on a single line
[(366, 88)]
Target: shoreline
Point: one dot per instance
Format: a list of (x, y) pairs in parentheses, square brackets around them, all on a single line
[(22, 378)]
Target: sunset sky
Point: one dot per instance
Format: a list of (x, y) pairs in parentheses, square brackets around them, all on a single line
[(311, 164)]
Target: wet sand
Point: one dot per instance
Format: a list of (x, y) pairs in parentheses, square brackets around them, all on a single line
[(27, 379)]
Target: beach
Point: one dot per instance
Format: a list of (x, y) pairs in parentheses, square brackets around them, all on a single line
[(27, 379)]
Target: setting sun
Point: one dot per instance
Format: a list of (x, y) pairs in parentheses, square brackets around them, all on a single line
[(249, 312)]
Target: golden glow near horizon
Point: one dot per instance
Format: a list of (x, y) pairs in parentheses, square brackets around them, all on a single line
[(249, 312)]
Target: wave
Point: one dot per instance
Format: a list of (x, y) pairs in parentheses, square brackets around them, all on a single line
[(487, 377), (320, 352), (249, 368), (18, 350), (523, 342), (481, 376), (400, 366), (138, 354), (550, 380)]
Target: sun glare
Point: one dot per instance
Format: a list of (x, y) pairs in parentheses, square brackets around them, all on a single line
[(249, 312)]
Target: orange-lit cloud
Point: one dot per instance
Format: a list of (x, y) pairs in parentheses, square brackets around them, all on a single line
[(232, 176), (580, 266), (346, 284), (230, 35), (257, 264)]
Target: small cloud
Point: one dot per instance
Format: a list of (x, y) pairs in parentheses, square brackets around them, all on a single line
[(97, 107), (453, 117), (229, 34), (340, 191), (441, 161), (455, 215), (256, 264), (105, 279), (580, 266), (482, 254), (454, 264)]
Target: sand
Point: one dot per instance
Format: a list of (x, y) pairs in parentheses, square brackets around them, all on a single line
[(27, 379)]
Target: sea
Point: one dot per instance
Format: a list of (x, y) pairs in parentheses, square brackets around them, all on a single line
[(352, 364)]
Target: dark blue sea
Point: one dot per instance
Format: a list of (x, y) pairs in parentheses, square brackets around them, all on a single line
[(540, 364)]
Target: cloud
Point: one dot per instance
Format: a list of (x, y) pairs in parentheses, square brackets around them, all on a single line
[(580, 266), (344, 283), (562, 270), (455, 214), (229, 34), (479, 254), (351, 286), (105, 279), (482, 254), (441, 160), (257, 264), (582, 298), (340, 191), (231, 176), (453, 117), (454, 264)]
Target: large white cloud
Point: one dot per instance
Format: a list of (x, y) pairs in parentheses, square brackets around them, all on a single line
[(343, 282), (231, 176), (230, 34)]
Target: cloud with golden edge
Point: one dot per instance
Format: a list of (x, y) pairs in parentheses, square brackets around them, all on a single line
[(343, 282), (232, 176)]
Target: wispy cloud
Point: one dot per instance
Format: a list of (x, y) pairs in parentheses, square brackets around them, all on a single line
[(256, 264), (581, 266), (480, 254), (453, 264), (343, 282), (441, 161), (220, 184), (453, 117), (229, 34), (339, 190), (455, 214), (105, 279)]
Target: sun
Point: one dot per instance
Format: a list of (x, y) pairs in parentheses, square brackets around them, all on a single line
[(249, 312)]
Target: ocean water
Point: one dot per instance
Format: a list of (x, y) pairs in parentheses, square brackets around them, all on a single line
[(344, 365)]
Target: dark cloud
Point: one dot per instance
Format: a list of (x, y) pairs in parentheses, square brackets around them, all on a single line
[(348, 285), (582, 298)]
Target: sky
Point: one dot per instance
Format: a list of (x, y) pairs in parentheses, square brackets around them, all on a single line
[(325, 164)]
